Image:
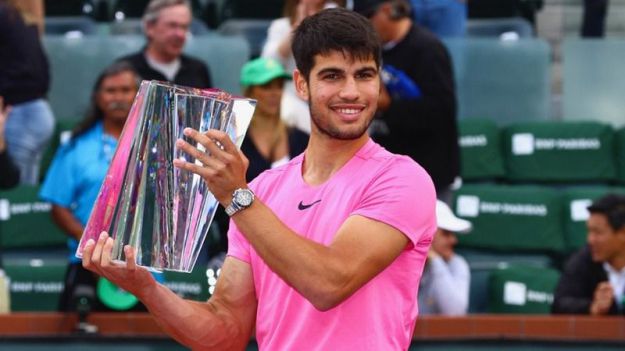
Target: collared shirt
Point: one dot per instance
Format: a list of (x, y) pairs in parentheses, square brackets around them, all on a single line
[(76, 174), (617, 281)]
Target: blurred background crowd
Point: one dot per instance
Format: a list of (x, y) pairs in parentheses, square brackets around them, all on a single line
[(515, 108)]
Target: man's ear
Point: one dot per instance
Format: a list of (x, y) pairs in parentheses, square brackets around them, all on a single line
[(301, 85)]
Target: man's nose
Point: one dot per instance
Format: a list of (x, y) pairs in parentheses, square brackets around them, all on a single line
[(349, 90)]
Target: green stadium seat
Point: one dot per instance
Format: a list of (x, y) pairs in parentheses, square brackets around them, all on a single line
[(76, 63), (25, 220), (511, 218), (483, 262), (593, 80), (522, 290), (559, 152), (620, 155), (480, 150), (506, 81), (36, 279), (577, 199)]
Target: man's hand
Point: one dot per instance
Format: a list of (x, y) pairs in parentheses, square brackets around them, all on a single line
[(128, 276), (223, 166), (602, 301), (4, 115)]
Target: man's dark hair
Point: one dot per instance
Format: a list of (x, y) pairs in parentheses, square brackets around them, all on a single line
[(94, 113), (331, 30), (613, 207)]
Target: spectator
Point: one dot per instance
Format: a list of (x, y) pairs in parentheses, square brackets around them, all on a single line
[(294, 110), (166, 25), (593, 281), (327, 240), (417, 107), (445, 18), (269, 143), (445, 283), (9, 174), (24, 83), (78, 169)]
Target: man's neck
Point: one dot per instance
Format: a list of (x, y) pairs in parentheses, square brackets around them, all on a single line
[(158, 56), (325, 156), (112, 128)]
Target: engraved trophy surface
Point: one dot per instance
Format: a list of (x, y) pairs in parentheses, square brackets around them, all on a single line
[(162, 211)]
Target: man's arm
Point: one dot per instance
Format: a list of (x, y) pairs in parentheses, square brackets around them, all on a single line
[(225, 322), (437, 104), (324, 275)]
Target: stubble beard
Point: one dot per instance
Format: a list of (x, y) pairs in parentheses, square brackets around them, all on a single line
[(333, 131)]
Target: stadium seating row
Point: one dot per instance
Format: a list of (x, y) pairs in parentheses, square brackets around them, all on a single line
[(546, 151), (503, 81)]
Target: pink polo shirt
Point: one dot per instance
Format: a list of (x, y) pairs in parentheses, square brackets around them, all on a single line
[(379, 316)]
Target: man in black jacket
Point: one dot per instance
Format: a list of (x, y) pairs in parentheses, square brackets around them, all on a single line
[(9, 173), (593, 281), (166, 23), (417, 108)]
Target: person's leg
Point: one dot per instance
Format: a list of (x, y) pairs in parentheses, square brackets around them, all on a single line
[(593, 22), (28, 131)]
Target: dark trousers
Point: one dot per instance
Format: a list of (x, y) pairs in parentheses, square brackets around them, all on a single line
[(593, 22)]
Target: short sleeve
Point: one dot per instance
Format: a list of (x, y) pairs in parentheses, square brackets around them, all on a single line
[(238, 246), (60, 182), (402, 196)]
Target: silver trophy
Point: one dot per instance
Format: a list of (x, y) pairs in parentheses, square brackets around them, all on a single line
[(162, 211)]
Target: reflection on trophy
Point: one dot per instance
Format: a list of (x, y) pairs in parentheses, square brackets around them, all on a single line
[(162, 211)]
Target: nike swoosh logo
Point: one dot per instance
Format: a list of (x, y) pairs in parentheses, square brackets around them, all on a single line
[(302, 207)]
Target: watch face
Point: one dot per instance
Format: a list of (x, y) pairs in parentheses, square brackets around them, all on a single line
[(243, 197)]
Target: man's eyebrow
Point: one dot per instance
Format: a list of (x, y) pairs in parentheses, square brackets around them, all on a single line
[(330, 70)]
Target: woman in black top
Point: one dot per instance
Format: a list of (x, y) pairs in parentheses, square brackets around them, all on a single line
[(24, 84), (269, 142)]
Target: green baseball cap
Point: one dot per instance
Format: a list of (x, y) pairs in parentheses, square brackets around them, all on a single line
[(261, 71)]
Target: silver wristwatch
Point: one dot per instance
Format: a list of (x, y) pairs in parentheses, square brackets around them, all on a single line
[(241, 199)]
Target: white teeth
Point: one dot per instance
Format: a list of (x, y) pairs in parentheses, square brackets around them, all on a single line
[(348, 111)]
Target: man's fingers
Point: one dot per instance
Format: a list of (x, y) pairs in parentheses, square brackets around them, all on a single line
[(86, 254), (223, 139), (130, 253), (96, 257), (192, 167), (107, 249)]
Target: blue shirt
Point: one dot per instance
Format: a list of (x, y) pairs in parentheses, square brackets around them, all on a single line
[(76, 174)]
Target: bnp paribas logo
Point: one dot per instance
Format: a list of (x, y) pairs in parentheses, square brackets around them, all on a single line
[(472, 206), (5, 210), (528, 144)]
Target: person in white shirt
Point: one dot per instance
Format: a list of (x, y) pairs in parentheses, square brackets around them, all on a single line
[(445, 283)]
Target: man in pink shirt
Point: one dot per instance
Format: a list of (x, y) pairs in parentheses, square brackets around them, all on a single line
[(326, 252)]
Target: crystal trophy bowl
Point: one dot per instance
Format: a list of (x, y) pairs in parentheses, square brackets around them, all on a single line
[(145, 202)]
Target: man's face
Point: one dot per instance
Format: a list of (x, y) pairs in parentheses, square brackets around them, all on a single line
[(116, 95), (382, 23), (168, 33), (605, 243), (342, 93), (444, 242)]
